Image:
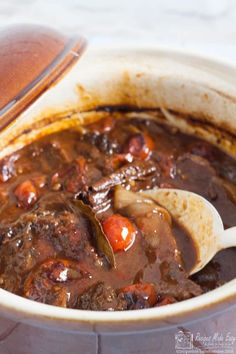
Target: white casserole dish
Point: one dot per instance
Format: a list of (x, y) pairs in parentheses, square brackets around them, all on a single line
[(164, 85)]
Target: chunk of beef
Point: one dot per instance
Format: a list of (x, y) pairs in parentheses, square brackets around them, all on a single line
[(175, 283), (181, 290), (50, 229), (101, 297), (75, 177), (193, 173), (50, 282), (139, 296)]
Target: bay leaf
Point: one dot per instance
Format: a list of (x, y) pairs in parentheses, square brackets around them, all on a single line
[(101, 240)]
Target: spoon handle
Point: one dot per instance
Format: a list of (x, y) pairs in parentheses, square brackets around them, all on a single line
[(228, 238)]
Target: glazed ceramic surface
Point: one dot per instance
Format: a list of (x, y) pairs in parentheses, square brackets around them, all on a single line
[(32, 59), (198, 96)]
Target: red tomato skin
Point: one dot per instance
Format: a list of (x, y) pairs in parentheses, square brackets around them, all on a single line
[(26, 194), (120, 232), (143, 290), (140, 146)]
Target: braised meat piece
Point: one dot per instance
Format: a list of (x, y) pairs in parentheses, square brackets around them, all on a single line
[(51, 282), (101, 297)]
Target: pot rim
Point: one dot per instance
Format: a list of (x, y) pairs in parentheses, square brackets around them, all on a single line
[(164, 49), (38, 311)]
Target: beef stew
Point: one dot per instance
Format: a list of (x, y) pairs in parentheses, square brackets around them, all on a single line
[(75, 232)]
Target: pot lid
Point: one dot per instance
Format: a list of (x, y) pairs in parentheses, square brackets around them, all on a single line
[(32, 58)]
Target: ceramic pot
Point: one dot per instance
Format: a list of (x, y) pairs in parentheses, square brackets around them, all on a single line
[(197, 95)]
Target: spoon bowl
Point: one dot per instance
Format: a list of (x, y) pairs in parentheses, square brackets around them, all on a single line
[(200, 219)]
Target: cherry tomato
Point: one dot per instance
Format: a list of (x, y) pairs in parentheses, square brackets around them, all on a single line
[(115, 161), (26, 194), (102, 126), (167, 300), (140, 295), (140, 146), (120, 232)]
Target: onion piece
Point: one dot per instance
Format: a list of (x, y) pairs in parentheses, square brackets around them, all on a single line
[(153, 221), (138, 204)]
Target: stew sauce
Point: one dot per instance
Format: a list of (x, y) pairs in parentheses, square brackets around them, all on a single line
[(73, 232)]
